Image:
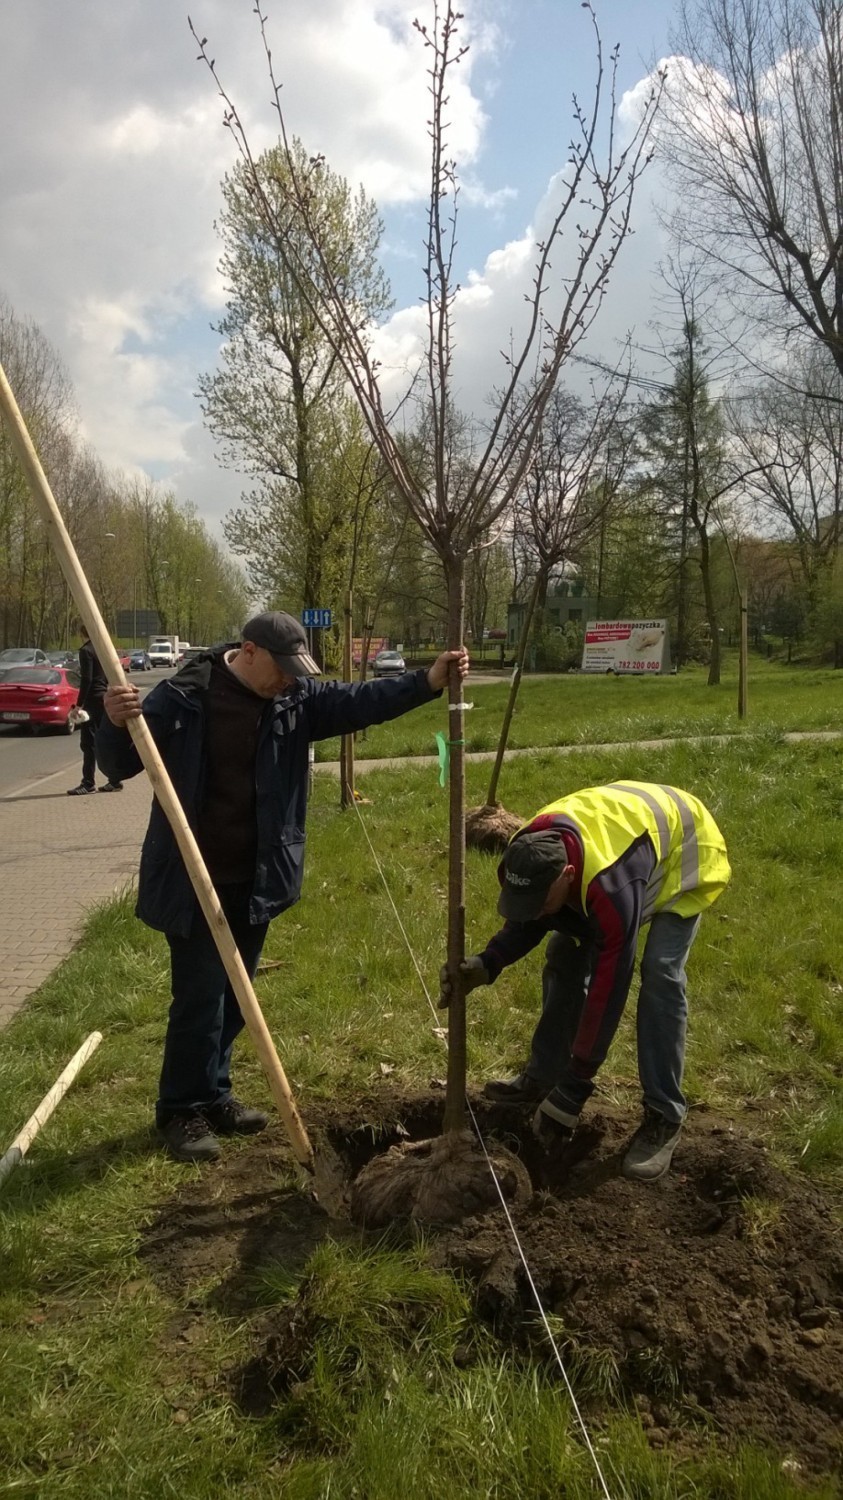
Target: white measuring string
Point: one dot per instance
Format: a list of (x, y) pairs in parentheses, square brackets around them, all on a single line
[(513, 1231)]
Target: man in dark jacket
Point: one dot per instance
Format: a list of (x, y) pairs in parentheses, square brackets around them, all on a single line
[(233, 729), (92, 688)]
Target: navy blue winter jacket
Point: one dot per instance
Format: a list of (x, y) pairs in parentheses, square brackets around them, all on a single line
[(175, 713)]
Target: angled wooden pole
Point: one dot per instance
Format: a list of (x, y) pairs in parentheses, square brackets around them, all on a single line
[(158, 775), (24, 1138)]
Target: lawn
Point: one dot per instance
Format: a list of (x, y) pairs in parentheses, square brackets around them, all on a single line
[(115, 1376), (588, 710)]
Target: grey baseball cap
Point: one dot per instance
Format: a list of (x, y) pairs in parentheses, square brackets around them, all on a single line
[(528, 869), (285, 640)]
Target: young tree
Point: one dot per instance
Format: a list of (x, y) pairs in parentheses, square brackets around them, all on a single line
[(567, 493), (472, 471)]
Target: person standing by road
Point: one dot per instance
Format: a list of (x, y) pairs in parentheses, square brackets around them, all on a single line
[(590, 871), (92, 688), (233, 728)]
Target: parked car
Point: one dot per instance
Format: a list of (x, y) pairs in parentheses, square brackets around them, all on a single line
[(39, 696), (389, 663), (63, 659), (190, 652), (24, 656), (124, 657), (139, 662)]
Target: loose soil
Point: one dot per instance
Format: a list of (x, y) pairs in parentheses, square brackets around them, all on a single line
[(717, 1293)]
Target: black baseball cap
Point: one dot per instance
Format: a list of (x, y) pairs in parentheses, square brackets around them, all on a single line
[(284, 638), (528, 869)]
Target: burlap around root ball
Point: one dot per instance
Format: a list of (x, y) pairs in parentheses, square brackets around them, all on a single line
[(440, 1181), (490, 828)]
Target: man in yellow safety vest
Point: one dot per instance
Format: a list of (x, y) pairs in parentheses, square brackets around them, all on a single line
[(591, 870)]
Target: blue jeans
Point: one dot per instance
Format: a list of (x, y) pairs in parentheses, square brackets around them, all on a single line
[(662, 1011), (204, 1016)]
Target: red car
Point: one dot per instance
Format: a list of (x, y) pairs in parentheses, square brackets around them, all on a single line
[(38, 696)]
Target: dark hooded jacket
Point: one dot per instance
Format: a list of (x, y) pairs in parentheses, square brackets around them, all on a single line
[(175, 712)]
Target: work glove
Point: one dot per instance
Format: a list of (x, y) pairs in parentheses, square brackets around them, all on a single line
[(555, 1120), (474, 972)]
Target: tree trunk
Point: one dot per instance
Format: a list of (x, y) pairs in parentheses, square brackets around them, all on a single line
[(682, 599), (710, 610), (513, 691), (455, 1111), (743, 668)]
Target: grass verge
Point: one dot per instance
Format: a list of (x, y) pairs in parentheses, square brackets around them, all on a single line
[(588, 710), (99, 1396)]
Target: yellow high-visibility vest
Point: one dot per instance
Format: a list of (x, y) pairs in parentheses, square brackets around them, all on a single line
[(692, 868)]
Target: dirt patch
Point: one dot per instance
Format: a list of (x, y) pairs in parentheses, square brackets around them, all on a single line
[(717, 1293)]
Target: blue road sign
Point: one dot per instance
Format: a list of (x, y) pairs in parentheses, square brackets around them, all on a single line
[(316, 619)]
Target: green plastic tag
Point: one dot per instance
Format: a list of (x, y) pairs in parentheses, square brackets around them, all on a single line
[(444, 757)]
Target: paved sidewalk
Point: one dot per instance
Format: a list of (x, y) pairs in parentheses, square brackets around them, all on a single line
[(60, 856)]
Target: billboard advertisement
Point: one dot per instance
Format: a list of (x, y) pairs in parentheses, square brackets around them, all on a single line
[(626, 646), (376, 644)]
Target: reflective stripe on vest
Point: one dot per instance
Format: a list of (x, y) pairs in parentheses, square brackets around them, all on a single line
[(689, 873)]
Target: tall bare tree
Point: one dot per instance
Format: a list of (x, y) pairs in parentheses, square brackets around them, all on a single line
[(472, 471), (753, 131), (794, 443)]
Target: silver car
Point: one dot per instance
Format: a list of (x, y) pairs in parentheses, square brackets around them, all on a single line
[(24, 656), (389, 664)]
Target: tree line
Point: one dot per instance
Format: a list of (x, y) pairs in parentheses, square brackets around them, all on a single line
[(141, 549)]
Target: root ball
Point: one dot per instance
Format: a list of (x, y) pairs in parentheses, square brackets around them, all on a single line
[(440, 1181), (490, 828)]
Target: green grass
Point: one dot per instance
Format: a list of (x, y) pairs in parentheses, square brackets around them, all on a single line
[(583, 710), (93, 1401)]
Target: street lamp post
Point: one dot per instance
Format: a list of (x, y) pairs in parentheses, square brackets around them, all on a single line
[(110, 536)]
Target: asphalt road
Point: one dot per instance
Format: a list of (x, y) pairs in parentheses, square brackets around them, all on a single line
[(26, 759)]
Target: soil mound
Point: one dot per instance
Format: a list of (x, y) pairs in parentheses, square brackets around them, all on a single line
[(716, 1295)]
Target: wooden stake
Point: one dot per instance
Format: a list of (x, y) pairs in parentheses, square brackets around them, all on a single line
[(158, 775), (347, 750), (743, 667)]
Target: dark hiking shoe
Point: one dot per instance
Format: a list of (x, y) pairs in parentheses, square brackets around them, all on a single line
[(233, 1118), (651, 1149), (81, 790), (523, 1089), (112, 786), (189, 1138)]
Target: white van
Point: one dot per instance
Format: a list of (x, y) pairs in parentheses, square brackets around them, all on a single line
[(161, 653)]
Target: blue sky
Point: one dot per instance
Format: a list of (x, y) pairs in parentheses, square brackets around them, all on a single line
[(110, 181)]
